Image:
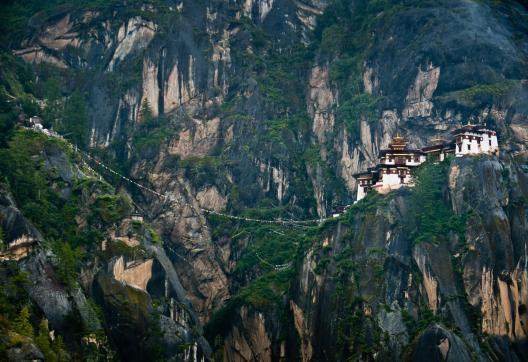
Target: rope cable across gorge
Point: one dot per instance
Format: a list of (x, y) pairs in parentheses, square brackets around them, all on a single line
[(207, 211), (98, 162), (276, 267)]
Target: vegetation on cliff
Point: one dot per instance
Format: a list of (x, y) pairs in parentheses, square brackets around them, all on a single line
[(75, 214), (430, 216)]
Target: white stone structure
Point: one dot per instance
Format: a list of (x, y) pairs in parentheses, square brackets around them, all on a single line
[(364, 185), (396, 163), (392, 179), (475, 139), (393, 171)]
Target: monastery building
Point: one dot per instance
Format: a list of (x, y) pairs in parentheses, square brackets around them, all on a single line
[(396, 163)]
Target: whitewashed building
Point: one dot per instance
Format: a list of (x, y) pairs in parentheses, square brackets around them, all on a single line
[(475, 139), (394, 169)]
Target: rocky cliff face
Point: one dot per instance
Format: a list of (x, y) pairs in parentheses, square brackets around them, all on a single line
[(267, 108), (370, 289), (118, 287)]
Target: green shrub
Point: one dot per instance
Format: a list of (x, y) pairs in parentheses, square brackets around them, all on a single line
[(156, 238), (480, 94), (108, 209), (430, 217), (267, 289), (30, 182), (332, 38), (360, 106), (12, 291), (74, 123), (344, 33), (43, 342), (152, 131), (203, 171), (67, 262)]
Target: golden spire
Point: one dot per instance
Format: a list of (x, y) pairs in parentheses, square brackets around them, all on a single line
[(398, 142)]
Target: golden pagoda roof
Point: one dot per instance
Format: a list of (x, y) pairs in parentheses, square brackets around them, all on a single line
[(398, 143)]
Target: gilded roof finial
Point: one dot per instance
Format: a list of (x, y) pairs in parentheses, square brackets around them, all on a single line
[(398, 142)]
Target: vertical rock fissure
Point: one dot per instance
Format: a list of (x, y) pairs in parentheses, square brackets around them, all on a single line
[(161, 80)]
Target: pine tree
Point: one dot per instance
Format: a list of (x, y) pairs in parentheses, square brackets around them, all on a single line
[(21, 323), (146, 115), (58, 346), (431, 218), (68, 259), (75, 118), (43, 342)]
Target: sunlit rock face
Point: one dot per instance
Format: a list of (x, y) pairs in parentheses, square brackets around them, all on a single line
[(135, 273), (132, 37), (418, 100)]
